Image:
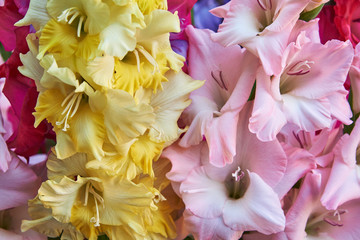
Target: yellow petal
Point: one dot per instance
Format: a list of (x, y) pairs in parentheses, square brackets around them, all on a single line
[(123, 167), (44, 223), (124, 117), (144, 152), (64, 147), (70, 167), (87, 131), (36, 15), (101, 70), (169, 104), (48, 106), (57, 38), (159, 22), (147, 6), (88, 47)]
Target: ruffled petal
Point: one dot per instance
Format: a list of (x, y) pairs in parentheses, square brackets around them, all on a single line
[(259, 209)]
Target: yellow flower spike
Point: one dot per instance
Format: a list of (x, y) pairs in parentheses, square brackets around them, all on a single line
[(57, 38), (44, 223)]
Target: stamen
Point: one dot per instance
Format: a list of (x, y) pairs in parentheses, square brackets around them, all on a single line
[(332, 222), (238, 174), (87, 193), (136, 53), (337, 215), (150, 58), (221, 83), (72, 102), (265, 6), (80, 25), (298, 139), (300, 68), (97, 198), (74, 13)]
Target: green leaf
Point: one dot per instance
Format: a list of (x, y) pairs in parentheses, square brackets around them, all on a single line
[(252, 94), (348, 128), (103, 237), (307, 16), (4, 54)]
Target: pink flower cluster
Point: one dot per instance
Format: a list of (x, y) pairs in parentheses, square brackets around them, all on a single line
[(265, 156)]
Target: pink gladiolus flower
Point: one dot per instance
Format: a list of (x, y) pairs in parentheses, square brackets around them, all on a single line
[(305, 151), (229, 73), (308, 92), (224, 202), (343, 184), (262, 26), (307, 217)]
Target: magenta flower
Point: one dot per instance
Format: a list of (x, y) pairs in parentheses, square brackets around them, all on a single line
[(20, 90), (347, 20)]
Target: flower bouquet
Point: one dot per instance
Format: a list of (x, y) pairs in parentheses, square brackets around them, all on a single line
[(138, 119)]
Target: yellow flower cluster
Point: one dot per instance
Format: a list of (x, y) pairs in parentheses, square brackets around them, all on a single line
[(113, 90)]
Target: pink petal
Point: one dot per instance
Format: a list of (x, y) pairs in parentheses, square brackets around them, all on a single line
[(299, 163), (267, 119), (183, 160), (203, 196), (17, 185), (308, 114), (253, 154), (221, 138), (259, 209), (209, 228)]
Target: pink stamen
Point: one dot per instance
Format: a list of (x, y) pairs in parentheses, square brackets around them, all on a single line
[(300, 68), (221, 83), (261, 5), (332, 222), (238, 174), (264, 6)]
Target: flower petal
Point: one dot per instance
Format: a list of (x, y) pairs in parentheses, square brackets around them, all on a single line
[(259, 209)]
